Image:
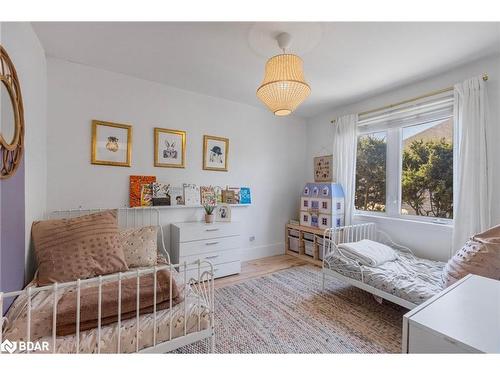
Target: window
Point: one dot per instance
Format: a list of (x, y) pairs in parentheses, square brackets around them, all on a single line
[(324, 221), (427, 169), (324, 205), (405, 161), (306, 203), (371, 172)]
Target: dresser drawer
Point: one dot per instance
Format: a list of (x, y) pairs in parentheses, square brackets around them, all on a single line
[(215, 257), (208, 245), (220, 270), (190, 232), (423, 341)]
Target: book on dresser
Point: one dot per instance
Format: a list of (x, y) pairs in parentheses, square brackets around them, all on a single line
[(218, 243)]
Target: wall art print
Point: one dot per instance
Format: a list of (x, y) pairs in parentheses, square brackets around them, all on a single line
[(170, 148), (215, 153), (323, 168), (111, 144)]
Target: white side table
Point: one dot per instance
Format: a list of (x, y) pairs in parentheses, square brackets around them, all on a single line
[(464, 318)]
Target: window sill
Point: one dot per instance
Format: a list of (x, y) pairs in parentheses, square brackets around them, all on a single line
[(448, 227)]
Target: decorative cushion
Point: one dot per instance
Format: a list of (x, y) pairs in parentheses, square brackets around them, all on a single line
[(480, 256), (139, 246), (77, 248)]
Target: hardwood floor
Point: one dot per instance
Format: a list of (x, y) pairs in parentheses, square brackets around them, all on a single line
[(260, 267)]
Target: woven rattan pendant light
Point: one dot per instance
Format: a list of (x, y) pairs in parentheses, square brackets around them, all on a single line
[(284, 87)]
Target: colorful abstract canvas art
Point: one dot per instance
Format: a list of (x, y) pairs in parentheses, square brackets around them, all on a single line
[(135, 188)]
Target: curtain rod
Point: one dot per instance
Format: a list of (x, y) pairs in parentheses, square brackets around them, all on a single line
[(436, 92)]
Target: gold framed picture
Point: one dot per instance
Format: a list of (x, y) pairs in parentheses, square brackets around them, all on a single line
[(170, 148), (111, 144), (215, 153)]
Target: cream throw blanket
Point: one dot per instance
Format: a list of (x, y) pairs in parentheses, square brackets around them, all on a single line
[(367, 252)]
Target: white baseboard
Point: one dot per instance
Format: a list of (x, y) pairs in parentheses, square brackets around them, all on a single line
[(262, 251)]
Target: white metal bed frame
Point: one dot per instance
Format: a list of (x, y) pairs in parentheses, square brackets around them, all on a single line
[(332, 237), (202, 285)]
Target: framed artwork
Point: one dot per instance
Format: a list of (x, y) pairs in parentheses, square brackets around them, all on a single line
[(137, 193), (215, 153), (111, 144), (323, 168), (223, 212), (170, 148)]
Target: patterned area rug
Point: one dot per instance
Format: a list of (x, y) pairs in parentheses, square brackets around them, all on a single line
[(286, 312)]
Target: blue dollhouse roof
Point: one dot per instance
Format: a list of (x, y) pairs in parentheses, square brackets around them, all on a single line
[(322, 190)]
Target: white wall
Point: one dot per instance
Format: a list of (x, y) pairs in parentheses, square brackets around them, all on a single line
[(266, 153), (428, 240), (28, 56)]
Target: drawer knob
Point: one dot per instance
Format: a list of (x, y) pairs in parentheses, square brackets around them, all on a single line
[(212, 229), (212, 243), (212, 257)]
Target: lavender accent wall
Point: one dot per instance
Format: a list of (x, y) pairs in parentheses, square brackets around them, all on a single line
[(23, 196), (12, 238)]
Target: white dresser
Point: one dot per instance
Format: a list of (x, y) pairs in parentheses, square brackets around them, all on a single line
[(219, 243), (464, 318)]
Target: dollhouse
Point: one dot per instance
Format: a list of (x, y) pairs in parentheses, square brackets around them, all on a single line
[(322, 205)]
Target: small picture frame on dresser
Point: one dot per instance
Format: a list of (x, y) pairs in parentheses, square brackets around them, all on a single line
[(223, 213)]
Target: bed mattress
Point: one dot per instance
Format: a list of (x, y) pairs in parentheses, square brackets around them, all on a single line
[(170, 323), (408, 277)]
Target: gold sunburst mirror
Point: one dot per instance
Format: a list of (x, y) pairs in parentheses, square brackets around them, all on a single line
[(11, 117)]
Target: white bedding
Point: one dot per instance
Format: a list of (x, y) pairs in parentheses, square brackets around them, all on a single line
[(41, 328), (368, 252), (408, 277)]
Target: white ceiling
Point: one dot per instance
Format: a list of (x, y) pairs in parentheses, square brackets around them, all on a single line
[(343, 62)]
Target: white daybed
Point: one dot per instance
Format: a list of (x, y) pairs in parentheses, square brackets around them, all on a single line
[(406, 281), (32, 316)]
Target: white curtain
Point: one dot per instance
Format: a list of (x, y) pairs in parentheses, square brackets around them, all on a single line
[(344, 156), (473, 203)]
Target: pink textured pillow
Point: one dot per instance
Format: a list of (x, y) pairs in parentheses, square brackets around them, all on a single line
[(480, 256), (77, 248)]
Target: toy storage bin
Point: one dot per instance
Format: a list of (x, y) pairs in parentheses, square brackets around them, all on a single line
[(293, 233), (293, 244), (319, 241), (308, 236), (309, 247)]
